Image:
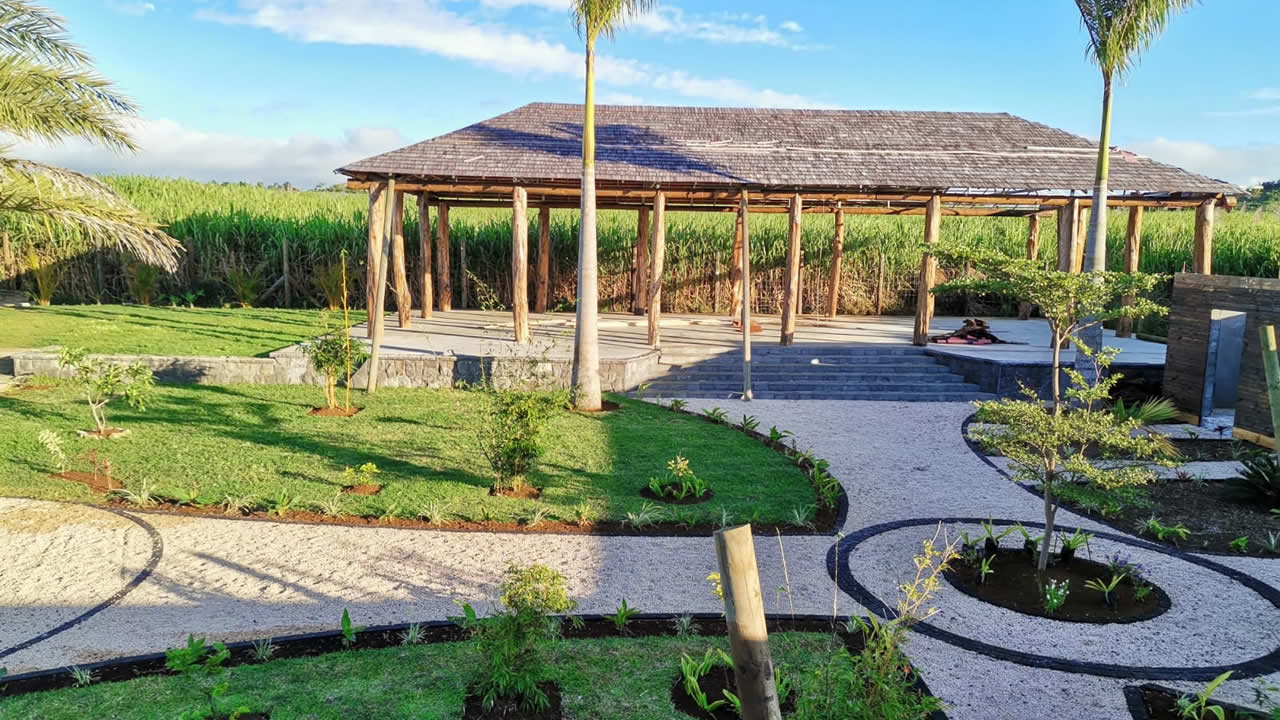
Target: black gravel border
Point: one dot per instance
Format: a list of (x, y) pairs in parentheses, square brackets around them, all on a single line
[(1258, 666)]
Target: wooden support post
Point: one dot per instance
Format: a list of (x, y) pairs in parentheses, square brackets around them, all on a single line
[(377, 214), (284, 269), (444, 288), (543, 283), (404, 299), (640, 277), (520, 263), (379, 314), (1068, 235), (424, 241), (1033, 253), (657, 259), (463, 278), (1271, 368), (8, 269), (791, 274), (1132, 257), (1079, 242), (735, 268), (744, 614), (837, 253), (928, 272), (1202, 255), (745, 300)]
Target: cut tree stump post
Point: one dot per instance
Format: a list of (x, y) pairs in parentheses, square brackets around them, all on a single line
[(380, 296), (640, 279), (1132, 258), (404, 299), (1068, 217), (837, 253), (8, 269), (465, 280), (791, 276), (424, 240), (657, 259), (444, 288), (928, 272), (1202, 254), (543, 282), (735, 269), (377, 212), (1033, 253), (520, 263), (1271, 366), (744, 614)]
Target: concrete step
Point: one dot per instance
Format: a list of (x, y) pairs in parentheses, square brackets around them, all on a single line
[(735, 380), (918, 396), (860, 375), (795, 388)]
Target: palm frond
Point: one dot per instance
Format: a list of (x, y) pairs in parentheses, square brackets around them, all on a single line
[(1120, 30), (37, 32), (604, 17), (80, 201), (54, 103)]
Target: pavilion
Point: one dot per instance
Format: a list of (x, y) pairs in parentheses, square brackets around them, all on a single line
[(849, 162)]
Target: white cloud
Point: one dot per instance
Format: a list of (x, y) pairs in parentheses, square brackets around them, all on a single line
[(172, 150), (136, 9), (430, 28), (791, 26), (1265, 94), (723, 28), (1244, 165)]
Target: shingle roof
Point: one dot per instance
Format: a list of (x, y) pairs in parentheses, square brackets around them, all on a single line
[(957, 152)]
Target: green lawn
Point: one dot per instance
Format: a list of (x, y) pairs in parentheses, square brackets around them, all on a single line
[(258, 442), (140, 330), (615, 678)]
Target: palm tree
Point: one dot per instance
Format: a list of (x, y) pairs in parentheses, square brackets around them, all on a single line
[(49, 92), (592, 18), (1119, 30)]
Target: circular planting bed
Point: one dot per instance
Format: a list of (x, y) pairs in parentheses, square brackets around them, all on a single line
[(1013, 582)]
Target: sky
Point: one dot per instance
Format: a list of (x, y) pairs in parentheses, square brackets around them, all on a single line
[(288, 90)]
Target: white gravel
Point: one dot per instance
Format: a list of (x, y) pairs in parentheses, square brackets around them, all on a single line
[(236, 579)]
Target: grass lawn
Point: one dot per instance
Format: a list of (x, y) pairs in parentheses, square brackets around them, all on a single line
[(141, 330), (257, 442), (615, 678)]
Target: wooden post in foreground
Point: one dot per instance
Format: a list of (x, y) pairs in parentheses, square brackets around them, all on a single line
[(791, 276), (744, 614), (928, 272), (745, 302), (640, 278), (543, 283), (1271, 366), (1132, 254), (377, 213), (424, 240), (1068, 218), (444, 289), (656, 260), (1202, 254), (837, 253), (735, 268), (1033, 253), (380, 299), (520, 263), (404, 299)]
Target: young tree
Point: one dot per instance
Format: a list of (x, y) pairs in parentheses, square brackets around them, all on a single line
[(332, 355), (103, 382), (592, 18), (50, 92)]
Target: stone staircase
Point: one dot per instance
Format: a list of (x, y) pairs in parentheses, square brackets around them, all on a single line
[(865, 372)]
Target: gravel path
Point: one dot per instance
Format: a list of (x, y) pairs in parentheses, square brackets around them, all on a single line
[(233, 579)]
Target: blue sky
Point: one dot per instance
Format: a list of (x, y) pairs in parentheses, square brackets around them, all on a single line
[(279, 90)]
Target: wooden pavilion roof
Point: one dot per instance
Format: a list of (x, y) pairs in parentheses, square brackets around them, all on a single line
[(883, 162)]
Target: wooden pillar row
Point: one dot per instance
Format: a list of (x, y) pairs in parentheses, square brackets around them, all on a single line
[(657, 259), (791, 275), (1033, 254), (736, 267), (928, 272), (404, 300), (377, 212), (520, 263), (426, 297), (1132, 257), (1202, 254), (837, 253), (640, 274), (543, 283), (444, 288), (378, 326)]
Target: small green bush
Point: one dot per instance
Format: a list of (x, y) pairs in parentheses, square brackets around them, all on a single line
[(510, 437), (102, 382)]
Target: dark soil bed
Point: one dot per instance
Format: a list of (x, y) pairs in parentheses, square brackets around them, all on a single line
[(714, 683), (362, 489), (98, 483), (1014, 585), (333, 412), (1210, 510), (689, 500), (504, 709), (1162, 704)]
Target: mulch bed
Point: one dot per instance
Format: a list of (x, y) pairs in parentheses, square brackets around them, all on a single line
[(361, 489), (100, 482), (714, 683), (689, 500), (524, 492), (1162, 704), (1014, 585), (1209, 510), (333, 412), (505, 709)]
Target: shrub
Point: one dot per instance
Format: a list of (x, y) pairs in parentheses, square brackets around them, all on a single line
[(332, 355), (1259, 481), (245, 286), (44, 279), (510, 436), (509, 644), (102, 382), (680, 482), (142, 280), (330, 280)]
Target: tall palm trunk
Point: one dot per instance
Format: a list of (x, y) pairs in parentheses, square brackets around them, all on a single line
[(586, 338), (1095, 251)]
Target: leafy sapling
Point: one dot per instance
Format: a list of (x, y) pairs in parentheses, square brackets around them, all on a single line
[(750, 424), (622, 616), (1106, 587), (81, 677), (413, 635), (685, 626), (1071, 543), (349, 630), (334, 355), (52, 443), (263, 649), (1240, 544), (716, 414), (678, 405), (198, 660), (1197, 707), (101, 382)]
